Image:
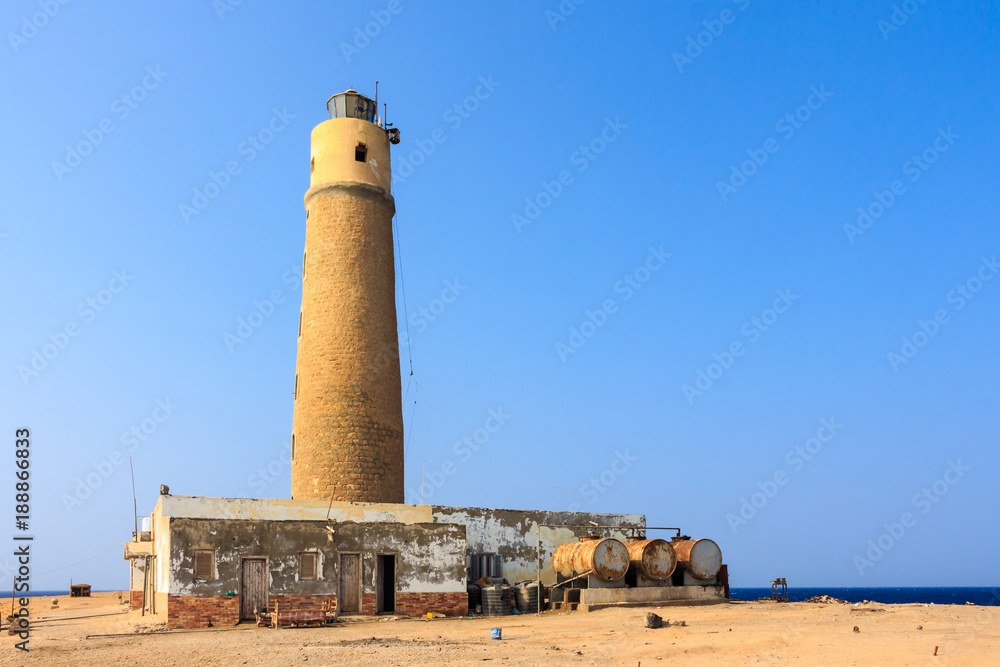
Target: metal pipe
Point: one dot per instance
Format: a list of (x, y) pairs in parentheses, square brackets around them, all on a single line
[(538, 567), (579, 576)]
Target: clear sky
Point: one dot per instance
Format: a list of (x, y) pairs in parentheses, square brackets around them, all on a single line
[(630, 229)]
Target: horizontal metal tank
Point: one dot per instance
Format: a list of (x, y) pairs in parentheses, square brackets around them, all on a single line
[(607, 558), (702, 558), (653, 559)]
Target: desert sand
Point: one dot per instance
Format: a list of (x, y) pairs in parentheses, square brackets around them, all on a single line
[(737, 633)]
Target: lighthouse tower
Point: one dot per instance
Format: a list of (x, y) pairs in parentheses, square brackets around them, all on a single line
[(347, 430)]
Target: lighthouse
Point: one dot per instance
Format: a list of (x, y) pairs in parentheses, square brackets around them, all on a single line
[(347, 428)]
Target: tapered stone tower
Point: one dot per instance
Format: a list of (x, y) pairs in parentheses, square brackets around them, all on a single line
[(347, 431)]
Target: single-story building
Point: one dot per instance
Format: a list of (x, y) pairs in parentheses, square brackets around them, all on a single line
[(212, 561)]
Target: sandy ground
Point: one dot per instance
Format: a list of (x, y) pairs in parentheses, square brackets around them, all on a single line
[(739, 633)]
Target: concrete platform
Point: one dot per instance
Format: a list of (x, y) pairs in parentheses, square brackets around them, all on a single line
[(592, 599)]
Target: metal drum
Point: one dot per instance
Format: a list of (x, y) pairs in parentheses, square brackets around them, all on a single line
[(606, 558), (702, 558), (653, 559)]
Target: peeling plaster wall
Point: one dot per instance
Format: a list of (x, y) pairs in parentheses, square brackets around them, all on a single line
[(429, 557), (512, 534)]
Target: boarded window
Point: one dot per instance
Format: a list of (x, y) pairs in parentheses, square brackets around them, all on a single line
[(204, 564), (308, 565)]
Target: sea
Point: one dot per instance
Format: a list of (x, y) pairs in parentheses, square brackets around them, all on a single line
[(45, 594), (979, 596)]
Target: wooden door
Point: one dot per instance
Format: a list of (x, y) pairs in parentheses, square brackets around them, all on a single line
[(253, 587), (349, 591)]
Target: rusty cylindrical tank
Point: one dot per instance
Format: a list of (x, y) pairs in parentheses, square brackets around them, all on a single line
[(653, 559), (607, 558), (702, 558)]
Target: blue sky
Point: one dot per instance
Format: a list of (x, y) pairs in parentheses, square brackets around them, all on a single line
[(649, 213)]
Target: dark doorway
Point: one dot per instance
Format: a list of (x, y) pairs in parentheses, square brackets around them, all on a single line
[(385, 583), (349, 593)]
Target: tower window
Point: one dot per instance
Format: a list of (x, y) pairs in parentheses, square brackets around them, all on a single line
[(304, 263), (300, 324), (361, 153), (293, 446), (296, 394), (312, 165)]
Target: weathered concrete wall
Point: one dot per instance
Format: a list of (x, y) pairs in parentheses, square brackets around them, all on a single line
[(430, 557), (613, 596), (275, 509), (512, 534), (161, 546)]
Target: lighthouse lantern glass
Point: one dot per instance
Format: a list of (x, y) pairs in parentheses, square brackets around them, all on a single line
[(351, 105)]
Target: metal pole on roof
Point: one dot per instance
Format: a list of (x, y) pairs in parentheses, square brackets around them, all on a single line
[(135, 504)]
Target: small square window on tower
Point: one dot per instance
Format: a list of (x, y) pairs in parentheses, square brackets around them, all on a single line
[(308, 565), (204, 564), (361, 153)]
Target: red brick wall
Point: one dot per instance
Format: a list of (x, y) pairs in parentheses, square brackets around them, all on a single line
[(418, 604), (198, 611), (135, 600)]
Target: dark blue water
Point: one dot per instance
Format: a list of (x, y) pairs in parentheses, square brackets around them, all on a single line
[(979, 596), (51, 594)]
